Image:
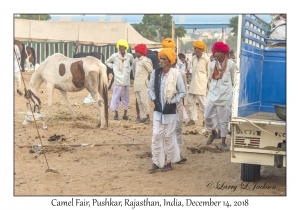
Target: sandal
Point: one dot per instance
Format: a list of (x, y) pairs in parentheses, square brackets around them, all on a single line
[(125, 118), (116, 117), (147, 121)]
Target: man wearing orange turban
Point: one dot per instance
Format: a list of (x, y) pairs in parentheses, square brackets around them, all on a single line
[(199, 82), (120, 63), (142, 68), (168, 43), (219, 99), (165, 89)]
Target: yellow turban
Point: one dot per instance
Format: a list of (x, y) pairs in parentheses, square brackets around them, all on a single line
[(200, 45), (122, 42), (168, 42), (170, 53)]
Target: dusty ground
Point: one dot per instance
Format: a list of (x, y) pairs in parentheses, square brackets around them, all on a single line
[(115, 161)]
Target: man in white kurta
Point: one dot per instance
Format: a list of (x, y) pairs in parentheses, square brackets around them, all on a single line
[(166, 88), (219, 99), (142, 68), (120, 63), (198, 87), (17, 60)]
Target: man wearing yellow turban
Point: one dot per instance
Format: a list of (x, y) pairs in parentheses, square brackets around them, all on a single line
[(120, 63), (199, 82), (165, 89)]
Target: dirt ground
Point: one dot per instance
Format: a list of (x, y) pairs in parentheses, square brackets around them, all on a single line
[(113, 162)]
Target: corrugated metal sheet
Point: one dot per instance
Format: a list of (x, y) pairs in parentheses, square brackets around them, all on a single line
[(45, 49)]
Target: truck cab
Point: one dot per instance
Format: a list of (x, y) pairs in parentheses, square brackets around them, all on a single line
[(258, 121)]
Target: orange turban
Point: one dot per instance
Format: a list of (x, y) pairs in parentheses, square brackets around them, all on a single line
[(200, 45), (169, 43), (170, 53), (141, 48)]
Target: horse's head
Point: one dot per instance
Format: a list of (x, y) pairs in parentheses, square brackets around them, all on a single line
[(29, 95)]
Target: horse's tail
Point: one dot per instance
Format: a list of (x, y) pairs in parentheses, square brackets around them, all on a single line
[(103, 90), (33, 56), (102, 58), (23, 57)]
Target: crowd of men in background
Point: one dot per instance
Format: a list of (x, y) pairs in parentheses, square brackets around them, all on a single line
[(210, 86)]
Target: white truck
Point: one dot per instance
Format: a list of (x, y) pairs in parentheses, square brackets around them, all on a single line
[(258, 121)]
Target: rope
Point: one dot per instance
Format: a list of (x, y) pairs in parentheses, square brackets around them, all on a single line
[(25, 90), (258, 128), (127, 136), (28, 184)]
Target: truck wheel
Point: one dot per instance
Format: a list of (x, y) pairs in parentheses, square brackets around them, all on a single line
[(250, 172)]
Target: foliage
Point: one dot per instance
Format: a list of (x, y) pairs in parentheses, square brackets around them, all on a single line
[(232, 43), (158, 25), (187, 45), (34, 17), (233, 23), (209, 43)]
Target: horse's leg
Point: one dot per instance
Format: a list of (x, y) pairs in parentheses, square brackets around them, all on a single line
[(67, 102), (96, 96), (50, 92), (91, 84)]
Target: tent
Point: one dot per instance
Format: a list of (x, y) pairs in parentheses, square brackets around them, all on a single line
[(80, 32)]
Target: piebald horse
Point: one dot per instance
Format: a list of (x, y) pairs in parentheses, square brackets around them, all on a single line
[(71, 75), (27, 54)]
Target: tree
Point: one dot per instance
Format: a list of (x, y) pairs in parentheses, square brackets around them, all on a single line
[(231, 41), (233, 23), (187, 46), (34, 17), (209, 43), (157, 25)]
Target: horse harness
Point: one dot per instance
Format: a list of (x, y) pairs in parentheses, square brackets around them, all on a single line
[(30, 95)]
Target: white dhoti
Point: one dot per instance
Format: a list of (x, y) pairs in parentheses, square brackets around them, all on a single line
[(217, 117), (164, 141), (143, 102), (192, 107), (178, 130)]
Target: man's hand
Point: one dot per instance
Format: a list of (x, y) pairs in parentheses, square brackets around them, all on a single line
[(157, 105)]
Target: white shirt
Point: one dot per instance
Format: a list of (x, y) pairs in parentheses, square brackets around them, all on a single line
[(220, 91), (180, 65), (142, 68), (17, 59), (121, 77)]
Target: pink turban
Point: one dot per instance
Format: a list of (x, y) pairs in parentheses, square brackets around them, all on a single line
[(220, 46)]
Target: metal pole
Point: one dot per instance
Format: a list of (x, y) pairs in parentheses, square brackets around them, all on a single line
[(173, 28), (177, 44)]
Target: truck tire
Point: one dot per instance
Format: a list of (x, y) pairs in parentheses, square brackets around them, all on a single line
[(250, 172)]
